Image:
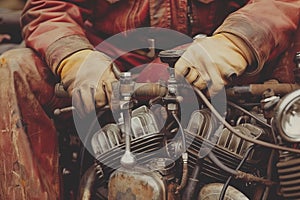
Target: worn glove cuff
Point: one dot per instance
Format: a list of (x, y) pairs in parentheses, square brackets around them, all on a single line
[(254, 35), (63, 48)]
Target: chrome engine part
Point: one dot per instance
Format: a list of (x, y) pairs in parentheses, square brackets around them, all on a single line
[(229, 148), (204, 125), (286, 123), (134, 153), (148, 144), (143, 123), (211, 173), (237, 145), (289, 175)]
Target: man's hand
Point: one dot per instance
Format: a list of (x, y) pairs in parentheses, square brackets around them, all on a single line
[(213, 61), (87, 76)]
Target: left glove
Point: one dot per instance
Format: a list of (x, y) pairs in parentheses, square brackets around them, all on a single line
[(213, 61), (87, 76)]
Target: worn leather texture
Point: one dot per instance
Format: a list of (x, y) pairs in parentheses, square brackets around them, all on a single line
[(266, 26), (28, 143)]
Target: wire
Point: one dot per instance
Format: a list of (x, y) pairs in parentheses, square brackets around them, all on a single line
[(216, 160), (237, 173), (235, 132), (249, 113), (269, 175), (223, 191), (182, 132)]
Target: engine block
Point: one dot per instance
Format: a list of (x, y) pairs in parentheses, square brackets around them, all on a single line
[(289, 175)]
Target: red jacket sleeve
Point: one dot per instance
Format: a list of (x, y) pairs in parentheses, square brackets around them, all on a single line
[(267, 26), (54, 28)]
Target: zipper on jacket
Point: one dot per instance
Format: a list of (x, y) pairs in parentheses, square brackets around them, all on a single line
[(190, 19)]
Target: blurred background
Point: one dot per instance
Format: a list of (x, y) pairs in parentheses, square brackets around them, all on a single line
[(12, 4), (10, 33)]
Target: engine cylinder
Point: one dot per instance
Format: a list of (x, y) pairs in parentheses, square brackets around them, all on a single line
[(289, 176)]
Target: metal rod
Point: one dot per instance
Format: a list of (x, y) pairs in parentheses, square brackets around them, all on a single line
[(127, 129), (249, 113)]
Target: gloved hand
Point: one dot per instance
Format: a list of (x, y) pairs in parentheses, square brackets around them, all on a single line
[(212, 61), (87, 76)]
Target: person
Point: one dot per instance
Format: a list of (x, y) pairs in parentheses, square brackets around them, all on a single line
[(244, 41)]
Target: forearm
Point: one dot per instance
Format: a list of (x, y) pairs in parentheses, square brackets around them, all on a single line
[(266, 26), (50, 28)]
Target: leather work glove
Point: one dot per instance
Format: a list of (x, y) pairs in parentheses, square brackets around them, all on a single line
[(87, 76), (211, 62)]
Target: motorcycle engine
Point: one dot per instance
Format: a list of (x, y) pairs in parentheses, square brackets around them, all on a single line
[(286, 123), (136, 153), (158, 172)]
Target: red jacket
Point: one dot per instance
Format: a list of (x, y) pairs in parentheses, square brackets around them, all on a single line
[(56, 29)]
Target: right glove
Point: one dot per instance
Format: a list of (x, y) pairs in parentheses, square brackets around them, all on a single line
[(87, 76), (211, 62)]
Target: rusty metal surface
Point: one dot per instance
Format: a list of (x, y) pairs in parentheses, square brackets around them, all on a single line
[(171, 192), (137, 183), (212, 192), (251, 178), (258, 89), (28, 143)]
